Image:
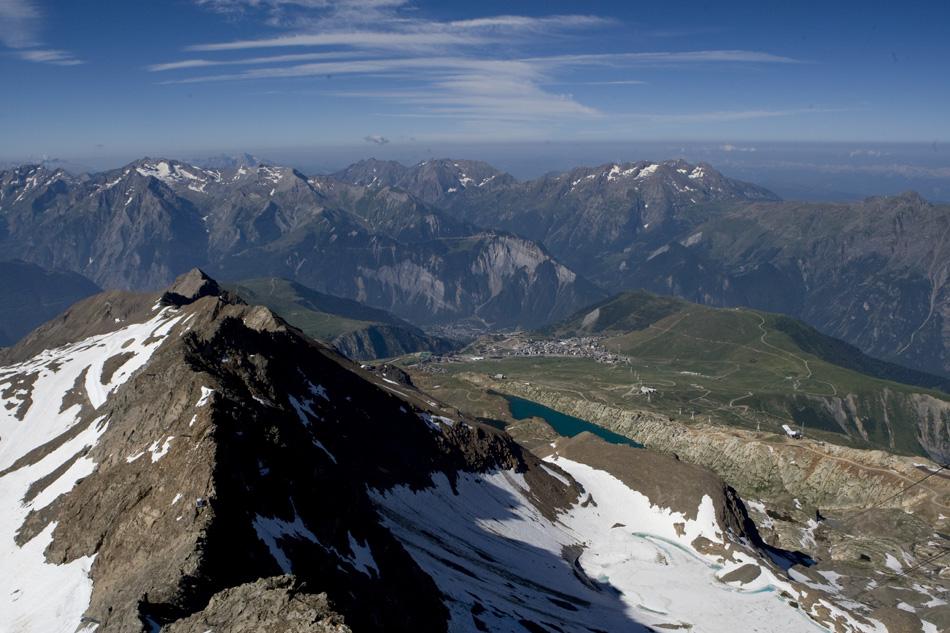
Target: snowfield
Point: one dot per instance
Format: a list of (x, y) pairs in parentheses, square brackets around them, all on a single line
[(34, 594), (613, 561)]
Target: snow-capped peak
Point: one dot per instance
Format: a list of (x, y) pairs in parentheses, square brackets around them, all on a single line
[(172, 173)]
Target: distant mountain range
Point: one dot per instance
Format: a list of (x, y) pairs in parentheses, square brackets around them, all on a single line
[(874, 273), (139, 226), (455, 242)]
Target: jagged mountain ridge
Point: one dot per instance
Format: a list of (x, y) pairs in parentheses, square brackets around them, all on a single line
[(429, 180), (139, 226), (174, 460), (610, 204), (578, 213)]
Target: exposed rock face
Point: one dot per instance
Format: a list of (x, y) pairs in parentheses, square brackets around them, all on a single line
[(385, 341), (190, 287), (269, 604), (934, 426), (355, 330), (214, 453)]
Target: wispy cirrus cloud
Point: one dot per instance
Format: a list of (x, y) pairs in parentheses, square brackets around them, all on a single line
[(463, 68), (49, 56), (20, 24), (250, 61), (351, 39)]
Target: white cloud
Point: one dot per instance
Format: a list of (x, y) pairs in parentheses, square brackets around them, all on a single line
[(351, 39), (237, 5), (19, 20), (619, 82), (249, 61), (20, 23), (466, 69), (378, 139), (522, 22), (49, 56)]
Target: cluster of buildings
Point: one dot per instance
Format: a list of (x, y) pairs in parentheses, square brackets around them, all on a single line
[(577, 347)]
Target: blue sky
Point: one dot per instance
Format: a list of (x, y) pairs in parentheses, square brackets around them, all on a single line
[(119, 77)]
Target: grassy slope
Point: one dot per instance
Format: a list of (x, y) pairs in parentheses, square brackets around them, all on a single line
[(320, 315), (733, 366)]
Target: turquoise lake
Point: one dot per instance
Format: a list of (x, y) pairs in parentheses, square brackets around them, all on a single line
[(565, 425)]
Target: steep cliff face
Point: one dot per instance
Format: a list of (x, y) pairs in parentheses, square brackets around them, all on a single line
[(385, 341), (934, 425), (354, 329)]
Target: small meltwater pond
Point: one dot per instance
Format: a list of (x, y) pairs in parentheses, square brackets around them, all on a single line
[(565, 425)]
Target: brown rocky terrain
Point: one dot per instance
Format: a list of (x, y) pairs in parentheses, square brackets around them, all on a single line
[(240, 451), (186, 462)]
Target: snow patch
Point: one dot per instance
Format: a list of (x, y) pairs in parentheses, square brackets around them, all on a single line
[(272, 531), (362, 558)]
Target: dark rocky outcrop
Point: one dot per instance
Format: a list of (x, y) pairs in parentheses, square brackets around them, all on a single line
[(243, 450)]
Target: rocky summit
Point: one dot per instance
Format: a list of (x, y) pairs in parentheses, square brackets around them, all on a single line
[(185, 461)]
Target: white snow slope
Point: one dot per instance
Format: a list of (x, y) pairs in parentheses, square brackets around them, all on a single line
[(36, 595), (489, 548)]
